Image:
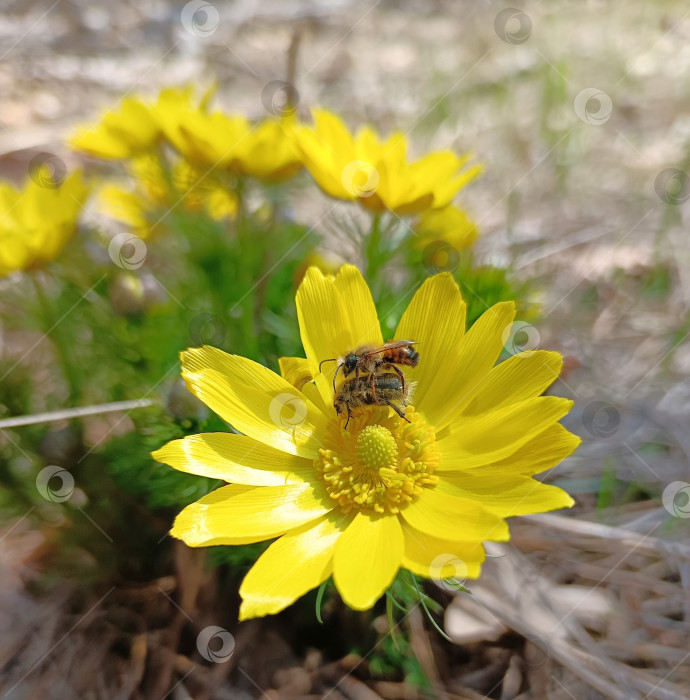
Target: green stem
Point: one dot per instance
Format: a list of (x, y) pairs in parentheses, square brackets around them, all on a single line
[(51, 326), (374, 256), (422, 600), (247, 275)]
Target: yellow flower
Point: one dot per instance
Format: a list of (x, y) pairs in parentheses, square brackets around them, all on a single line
[(134, 128), (361, 503), (37, 221), (156, 192), (376, 173), (230, 142), (449, 225)]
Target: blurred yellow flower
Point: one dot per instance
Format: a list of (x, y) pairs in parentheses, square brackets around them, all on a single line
[(450, 225), (36, 222), (264, 150), (134, 127), (361, 503), (376, 173), (156, 192)]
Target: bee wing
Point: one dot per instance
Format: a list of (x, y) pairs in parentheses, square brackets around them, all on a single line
[(393, 345)]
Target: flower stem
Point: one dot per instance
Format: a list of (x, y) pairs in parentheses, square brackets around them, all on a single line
[(374, 255), (50, 327), (247, 275)]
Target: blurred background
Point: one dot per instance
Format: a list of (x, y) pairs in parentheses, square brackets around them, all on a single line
[(580, 116)]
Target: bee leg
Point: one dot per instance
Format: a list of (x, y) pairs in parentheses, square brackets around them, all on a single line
[(401, 374), (372, 382), (349, 415), (398, 411)]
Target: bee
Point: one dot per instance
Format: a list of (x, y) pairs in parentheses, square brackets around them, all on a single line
[(357, 392), (376, 359)]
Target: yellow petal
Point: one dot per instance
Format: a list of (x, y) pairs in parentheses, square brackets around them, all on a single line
[(495, 435), (362, 318), (295, 370), (435, 319), (367, 558), (235, 458), (254, 400), (445, 192), (507, 497), (326, 149), (449, 224), (440, 515), (335, 316), (520, 377), (435, 558), (299, 561), (311, 391), (546, 450), (479, 350), (244, 514)]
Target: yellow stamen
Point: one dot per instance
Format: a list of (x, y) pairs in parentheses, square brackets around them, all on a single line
[(376, 447), (380, 463)]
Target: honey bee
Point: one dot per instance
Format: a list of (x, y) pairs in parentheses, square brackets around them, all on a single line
[(376, 359), (357, 392)]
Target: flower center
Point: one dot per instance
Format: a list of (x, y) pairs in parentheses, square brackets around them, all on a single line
[(376, 448), (380, 463)]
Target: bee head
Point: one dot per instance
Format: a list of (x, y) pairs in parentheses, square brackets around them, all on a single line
[(349, 363)]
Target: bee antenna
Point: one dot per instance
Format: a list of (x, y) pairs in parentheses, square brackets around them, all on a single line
[(337, 369), (330, 359)]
